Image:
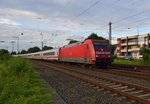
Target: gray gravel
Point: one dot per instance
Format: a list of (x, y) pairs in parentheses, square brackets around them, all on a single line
[(73, 91), (136, 81)]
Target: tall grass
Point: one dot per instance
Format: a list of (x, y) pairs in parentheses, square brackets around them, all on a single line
[(19, 84), (130, 61)]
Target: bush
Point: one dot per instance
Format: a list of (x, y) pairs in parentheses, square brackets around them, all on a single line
[(146, 55), (114, 57), (4, 55), (19, 84)]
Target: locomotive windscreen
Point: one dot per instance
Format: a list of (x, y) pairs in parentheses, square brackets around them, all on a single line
[(101, 45)]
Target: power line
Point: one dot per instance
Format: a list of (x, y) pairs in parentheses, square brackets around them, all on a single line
[(131, 16), (134, 22), (118, 21), (86, 10)]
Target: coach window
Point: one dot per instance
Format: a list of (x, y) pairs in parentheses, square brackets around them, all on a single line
[(37, 55), (49, 53)]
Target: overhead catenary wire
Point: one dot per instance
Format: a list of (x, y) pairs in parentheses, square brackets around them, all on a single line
[(133, 22), (115, 22), (131, 16), (81, 13), (118, 21)]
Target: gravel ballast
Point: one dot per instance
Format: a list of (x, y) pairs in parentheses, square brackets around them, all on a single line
[(72, 91)]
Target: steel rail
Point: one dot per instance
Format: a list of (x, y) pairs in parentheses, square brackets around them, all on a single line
[(145, 76), (107, 84)]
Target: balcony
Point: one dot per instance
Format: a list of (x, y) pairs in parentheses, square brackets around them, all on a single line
[(132, 43), (135, 49), (123, 44), (129, 50), (124, 50)]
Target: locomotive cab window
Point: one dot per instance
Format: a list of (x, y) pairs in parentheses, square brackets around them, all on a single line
[(101, 45)]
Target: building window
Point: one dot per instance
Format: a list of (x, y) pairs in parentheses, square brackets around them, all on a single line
[(141, 40)]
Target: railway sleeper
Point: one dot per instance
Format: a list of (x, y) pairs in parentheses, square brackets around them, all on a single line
[(144, 95), (115, 86), (136, 92), (110, 84), (127, 90), (123, 87), (105, 83)]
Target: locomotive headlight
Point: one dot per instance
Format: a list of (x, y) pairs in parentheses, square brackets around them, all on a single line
[(96, 55), (108, 55)]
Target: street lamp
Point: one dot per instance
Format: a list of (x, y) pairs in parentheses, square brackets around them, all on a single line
[(17, 37), (42, 39)]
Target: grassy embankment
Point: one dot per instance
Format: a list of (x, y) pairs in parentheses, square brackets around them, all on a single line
[(19, 84), (130, 62), (145, 61)]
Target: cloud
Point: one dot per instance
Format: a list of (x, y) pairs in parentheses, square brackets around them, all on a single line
[(57, 17), (8, 21), (14, 13)]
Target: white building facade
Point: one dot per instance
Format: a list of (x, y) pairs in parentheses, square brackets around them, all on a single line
[(132, 45)]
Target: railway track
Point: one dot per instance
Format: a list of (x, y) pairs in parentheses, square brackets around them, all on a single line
[(128, 73), (134, 92), (134, 68), (133, 73), (145, 75)]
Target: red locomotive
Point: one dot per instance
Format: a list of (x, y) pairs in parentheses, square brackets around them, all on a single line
[(95, 52), (91, 52)]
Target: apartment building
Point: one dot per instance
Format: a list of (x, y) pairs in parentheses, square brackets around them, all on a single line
[(131, 45)]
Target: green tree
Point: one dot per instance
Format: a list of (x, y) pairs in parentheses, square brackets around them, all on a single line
[(23, 51), (72, 41), (13, 53), (146, 55), (113, 48), (95, 36), (34, 49), (3, 51), (47, 48), (4, 54)]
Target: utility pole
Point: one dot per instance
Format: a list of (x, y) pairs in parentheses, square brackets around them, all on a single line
[(12, 42), (110, 32)]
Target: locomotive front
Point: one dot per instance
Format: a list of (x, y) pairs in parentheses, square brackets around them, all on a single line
[(102, 52)]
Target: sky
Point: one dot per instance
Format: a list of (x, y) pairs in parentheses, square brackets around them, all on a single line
[(55, 21)]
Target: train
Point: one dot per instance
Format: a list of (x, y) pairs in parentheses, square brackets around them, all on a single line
[(89, 52)]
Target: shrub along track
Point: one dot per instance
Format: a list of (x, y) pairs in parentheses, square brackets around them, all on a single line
[(131, 91)]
